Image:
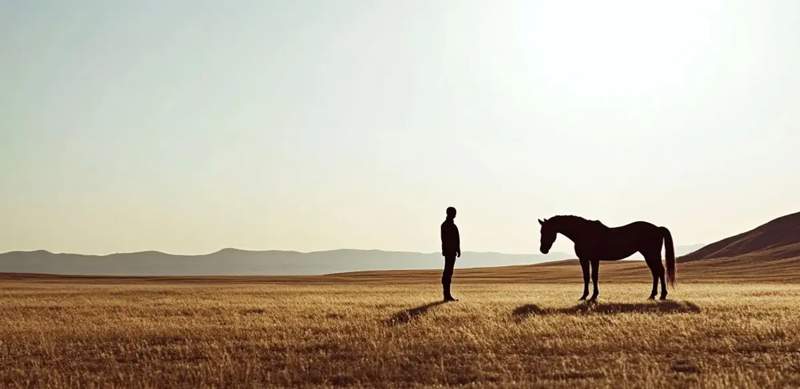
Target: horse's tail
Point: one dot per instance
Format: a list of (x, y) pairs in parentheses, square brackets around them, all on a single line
[(670, 253)]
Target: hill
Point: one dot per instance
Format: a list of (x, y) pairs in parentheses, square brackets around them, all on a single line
[(777, 239), (228, 262)]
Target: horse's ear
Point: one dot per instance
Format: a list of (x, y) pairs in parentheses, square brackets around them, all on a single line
[(541, 221)]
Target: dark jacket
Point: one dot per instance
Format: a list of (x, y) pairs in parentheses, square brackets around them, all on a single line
[(451, 243)]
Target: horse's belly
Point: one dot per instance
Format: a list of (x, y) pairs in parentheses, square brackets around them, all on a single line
[(604, 251), (612, 253)]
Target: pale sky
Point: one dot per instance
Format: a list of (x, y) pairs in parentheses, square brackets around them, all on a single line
[(189, 126)]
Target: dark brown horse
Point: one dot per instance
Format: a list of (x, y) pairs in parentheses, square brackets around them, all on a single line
[(594, 242)]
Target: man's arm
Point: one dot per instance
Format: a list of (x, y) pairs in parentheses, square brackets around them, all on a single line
[(441, 235), (458, 242)]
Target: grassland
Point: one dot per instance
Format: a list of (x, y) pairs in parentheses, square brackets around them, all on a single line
[(228, 333)]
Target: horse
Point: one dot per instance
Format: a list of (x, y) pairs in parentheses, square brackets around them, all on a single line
[(594, 242)]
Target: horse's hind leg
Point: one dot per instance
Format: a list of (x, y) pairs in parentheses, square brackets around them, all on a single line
[(660, 268), (652, 265), (657, 268), (585, 269), (595, 279)]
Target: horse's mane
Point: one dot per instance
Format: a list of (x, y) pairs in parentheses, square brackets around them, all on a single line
[(573, 219)]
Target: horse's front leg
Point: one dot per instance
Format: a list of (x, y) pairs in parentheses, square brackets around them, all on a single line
[(585, 269), (595, 275)]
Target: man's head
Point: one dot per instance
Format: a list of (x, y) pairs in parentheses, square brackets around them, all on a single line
[(451, 213)]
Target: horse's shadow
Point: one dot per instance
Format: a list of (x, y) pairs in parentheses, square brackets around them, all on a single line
[(660, 307), (407, 315)]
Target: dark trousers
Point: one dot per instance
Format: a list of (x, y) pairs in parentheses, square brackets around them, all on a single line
[(447, 274)]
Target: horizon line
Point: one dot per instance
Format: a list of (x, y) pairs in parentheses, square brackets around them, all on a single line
[(264, 250)]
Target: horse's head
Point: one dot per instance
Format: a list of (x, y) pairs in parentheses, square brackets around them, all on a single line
[(548, 233)]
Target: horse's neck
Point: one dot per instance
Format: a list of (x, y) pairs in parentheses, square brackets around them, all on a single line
[(571, 234), (577, 232)]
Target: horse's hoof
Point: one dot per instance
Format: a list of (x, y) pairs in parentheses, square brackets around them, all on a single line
[(582, 298), (653, 297), (663, 297)]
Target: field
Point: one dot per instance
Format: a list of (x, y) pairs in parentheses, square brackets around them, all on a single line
[(189, 333)]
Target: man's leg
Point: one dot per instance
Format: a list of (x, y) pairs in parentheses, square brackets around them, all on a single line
[(447, 275)]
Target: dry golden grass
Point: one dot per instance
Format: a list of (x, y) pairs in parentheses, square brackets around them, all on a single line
[(226, 334)]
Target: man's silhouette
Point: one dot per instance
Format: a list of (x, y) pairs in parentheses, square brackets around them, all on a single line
[(451, 248)]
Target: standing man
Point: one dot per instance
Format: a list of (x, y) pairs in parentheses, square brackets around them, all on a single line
[(451, 248)]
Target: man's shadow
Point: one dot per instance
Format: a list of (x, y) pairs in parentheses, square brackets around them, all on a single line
[(660, 307), (407, 315)]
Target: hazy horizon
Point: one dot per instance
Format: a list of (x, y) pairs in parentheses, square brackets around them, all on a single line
[(271, 262), (187, 127), (556, 255)]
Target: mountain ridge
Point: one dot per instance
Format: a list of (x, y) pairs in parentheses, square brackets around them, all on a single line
[(232, 261), (776, 239)]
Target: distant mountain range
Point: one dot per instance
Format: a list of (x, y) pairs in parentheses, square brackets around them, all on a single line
[(770, 252), (242, 262)]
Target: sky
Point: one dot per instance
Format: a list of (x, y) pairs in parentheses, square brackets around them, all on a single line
[(190, 126)]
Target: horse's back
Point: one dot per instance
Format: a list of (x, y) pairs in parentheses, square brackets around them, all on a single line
[(640, 226), (623, 241), (636, 233)]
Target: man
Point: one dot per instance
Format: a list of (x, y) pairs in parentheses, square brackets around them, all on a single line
[(451, 248)]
